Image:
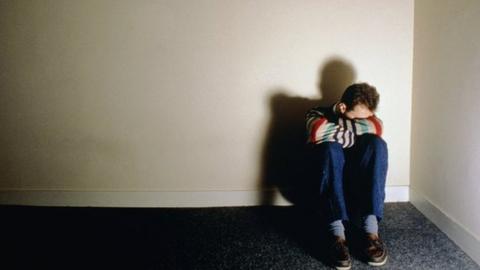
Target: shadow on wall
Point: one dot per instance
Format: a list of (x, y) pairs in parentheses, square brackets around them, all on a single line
[(285, 162)]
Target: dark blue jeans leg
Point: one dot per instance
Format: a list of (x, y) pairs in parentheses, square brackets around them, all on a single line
[(329, 161), (365, 175)]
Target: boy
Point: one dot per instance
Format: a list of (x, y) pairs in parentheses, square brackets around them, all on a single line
[(351, 160)]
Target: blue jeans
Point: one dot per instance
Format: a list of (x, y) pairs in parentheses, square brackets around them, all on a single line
[(352, 180)]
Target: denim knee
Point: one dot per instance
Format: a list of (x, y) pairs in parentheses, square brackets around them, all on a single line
[(327, 158), (330, 159), (333, 146), (375, 141), (333, 151)]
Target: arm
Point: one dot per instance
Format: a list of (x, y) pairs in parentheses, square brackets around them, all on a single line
[(371, 125), (320, 129), (317, 126)]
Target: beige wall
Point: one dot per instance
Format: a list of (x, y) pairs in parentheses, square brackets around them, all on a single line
[(446, 94), (180, 95)]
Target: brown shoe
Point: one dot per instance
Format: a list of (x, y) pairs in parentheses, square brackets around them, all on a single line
[(375, 250), (340, 254)]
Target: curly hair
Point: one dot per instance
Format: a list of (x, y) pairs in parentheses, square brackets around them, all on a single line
[(361, 93)]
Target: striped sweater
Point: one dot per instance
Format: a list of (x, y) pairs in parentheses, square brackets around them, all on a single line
[(324, 125)]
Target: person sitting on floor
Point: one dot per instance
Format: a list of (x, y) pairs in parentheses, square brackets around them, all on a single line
[(351, 161)]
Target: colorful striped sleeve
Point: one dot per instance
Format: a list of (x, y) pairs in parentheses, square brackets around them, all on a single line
[(316, 121), (320, 130), (371, 125)]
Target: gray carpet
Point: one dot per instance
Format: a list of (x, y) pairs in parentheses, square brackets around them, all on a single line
[(208, 238)]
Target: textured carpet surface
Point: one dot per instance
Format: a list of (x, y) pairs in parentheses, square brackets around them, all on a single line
[(209, 238)]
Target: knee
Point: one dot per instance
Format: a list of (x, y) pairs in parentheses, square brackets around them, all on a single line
[(375, 142), (332, 151), (332, 148), (328, 163)]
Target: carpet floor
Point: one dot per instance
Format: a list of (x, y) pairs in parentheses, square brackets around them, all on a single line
[(263, 237)]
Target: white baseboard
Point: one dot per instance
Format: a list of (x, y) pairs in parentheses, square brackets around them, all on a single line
[(466, 240), (160, 198), (397, 194)]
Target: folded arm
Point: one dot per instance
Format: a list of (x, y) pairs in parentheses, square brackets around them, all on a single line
[(320, 129), (371, 125)]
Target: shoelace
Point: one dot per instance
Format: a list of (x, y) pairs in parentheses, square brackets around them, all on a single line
[(341, 246), (376, 243)]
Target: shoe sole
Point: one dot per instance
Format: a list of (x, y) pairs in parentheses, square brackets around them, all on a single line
[(378, 263), (343, 268)]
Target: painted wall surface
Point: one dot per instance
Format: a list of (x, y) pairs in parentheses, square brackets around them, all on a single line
[(446, 94), (191, 95)]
